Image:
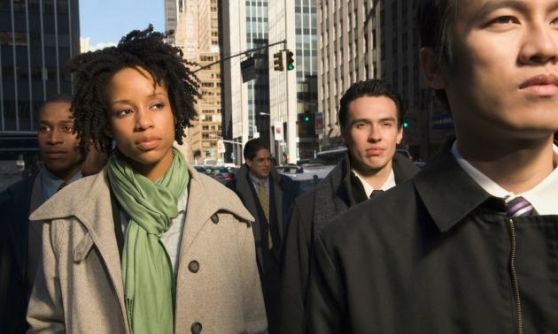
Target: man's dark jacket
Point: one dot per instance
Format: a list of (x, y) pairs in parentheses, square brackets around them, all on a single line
[(435, 255), (313, 210), (15, 282), (282, 192)]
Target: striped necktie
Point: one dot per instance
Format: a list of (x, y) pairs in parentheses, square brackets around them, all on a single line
[(518, 207)]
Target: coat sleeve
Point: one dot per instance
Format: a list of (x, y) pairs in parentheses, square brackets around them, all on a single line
[(45, 313), (295, 271), (254, 309), (326, 310)]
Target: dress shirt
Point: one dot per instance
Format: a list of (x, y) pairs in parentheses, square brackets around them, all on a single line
[(542, 196), (368, 189), (50, 183), (256, 181)]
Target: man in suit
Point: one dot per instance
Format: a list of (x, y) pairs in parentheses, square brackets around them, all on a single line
[(62, 157), (268, 196), (468, 246), (371, 118)]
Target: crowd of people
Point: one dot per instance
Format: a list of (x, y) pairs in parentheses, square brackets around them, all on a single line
[(117, 233)]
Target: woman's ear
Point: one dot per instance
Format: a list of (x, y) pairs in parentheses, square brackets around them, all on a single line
[(432, 69)]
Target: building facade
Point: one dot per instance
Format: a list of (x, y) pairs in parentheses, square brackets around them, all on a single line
[(363, 39), (293, 91), (244, 27), (197, 33), (37, 38)]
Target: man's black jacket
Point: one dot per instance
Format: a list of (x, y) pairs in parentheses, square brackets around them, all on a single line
[(282, 192), (435, 255), (313, 210), (15, 283)]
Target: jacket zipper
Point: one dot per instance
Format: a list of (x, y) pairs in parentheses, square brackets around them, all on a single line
[(514, 279)]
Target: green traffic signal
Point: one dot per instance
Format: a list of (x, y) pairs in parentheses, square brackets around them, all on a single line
[(306, 118), (290, 60), (405, 125)]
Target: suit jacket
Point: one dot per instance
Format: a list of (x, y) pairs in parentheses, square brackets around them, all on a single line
[(16, 269), (282, 192), (79, 286), (435, 255), (312, 211)]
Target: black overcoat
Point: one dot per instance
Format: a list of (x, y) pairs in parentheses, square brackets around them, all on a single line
[(441, 256), (282, 194), (312, 211), (15, 282)]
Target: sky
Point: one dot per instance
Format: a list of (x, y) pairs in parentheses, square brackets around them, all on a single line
[(104, 22)]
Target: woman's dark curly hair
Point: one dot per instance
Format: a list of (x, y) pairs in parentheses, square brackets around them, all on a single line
[(144, 49)]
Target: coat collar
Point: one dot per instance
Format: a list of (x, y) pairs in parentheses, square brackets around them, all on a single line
[(93, 209), (447, 191)]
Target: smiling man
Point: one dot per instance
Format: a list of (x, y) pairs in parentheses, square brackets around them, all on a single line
[(371, 121), (62, 159), (468, 245)]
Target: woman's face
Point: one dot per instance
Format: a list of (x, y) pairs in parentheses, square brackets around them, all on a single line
[(141, 121)]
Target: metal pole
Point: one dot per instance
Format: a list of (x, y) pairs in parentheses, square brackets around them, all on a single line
[(238, 54)]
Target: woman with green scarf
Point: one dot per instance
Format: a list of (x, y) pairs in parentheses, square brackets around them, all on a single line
[(148, 245)]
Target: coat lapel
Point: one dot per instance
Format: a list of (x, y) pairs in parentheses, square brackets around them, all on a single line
[(198, 213), (97, 218)]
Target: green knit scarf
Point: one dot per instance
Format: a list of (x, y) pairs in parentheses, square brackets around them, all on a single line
[(146, 268)]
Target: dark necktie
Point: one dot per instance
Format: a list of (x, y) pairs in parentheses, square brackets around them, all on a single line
[(375, 192), (518, 207), (264, 202)]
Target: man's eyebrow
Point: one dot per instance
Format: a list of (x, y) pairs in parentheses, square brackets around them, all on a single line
[(365, 120), (490, 6), (518, 5)]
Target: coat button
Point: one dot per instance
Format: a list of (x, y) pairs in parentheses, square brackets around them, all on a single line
[(194, 266), (215, 219), (196, 328)]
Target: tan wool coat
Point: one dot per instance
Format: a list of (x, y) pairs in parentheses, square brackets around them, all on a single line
[(79, 289)]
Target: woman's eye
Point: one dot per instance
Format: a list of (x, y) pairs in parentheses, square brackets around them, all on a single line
[(158, 106), (122, 113)]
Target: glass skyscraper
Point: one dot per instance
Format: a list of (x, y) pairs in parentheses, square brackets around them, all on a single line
[(37, 37)]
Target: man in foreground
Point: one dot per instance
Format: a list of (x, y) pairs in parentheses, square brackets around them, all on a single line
[(467, 246), (371, 121), (62, 157)]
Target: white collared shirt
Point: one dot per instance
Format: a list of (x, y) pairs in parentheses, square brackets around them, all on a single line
[(542, 196), (50, 184), (368, 189)]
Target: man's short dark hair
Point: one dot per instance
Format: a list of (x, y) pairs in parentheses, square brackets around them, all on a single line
[(252, 147), (434, 20), (374, 88), (56, 99)]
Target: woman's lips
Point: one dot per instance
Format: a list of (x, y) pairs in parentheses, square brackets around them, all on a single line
[(148, 143)]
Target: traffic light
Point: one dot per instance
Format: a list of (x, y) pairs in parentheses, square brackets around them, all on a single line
[(306, 118), (290, 60), (278, 61), (405, 124)]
